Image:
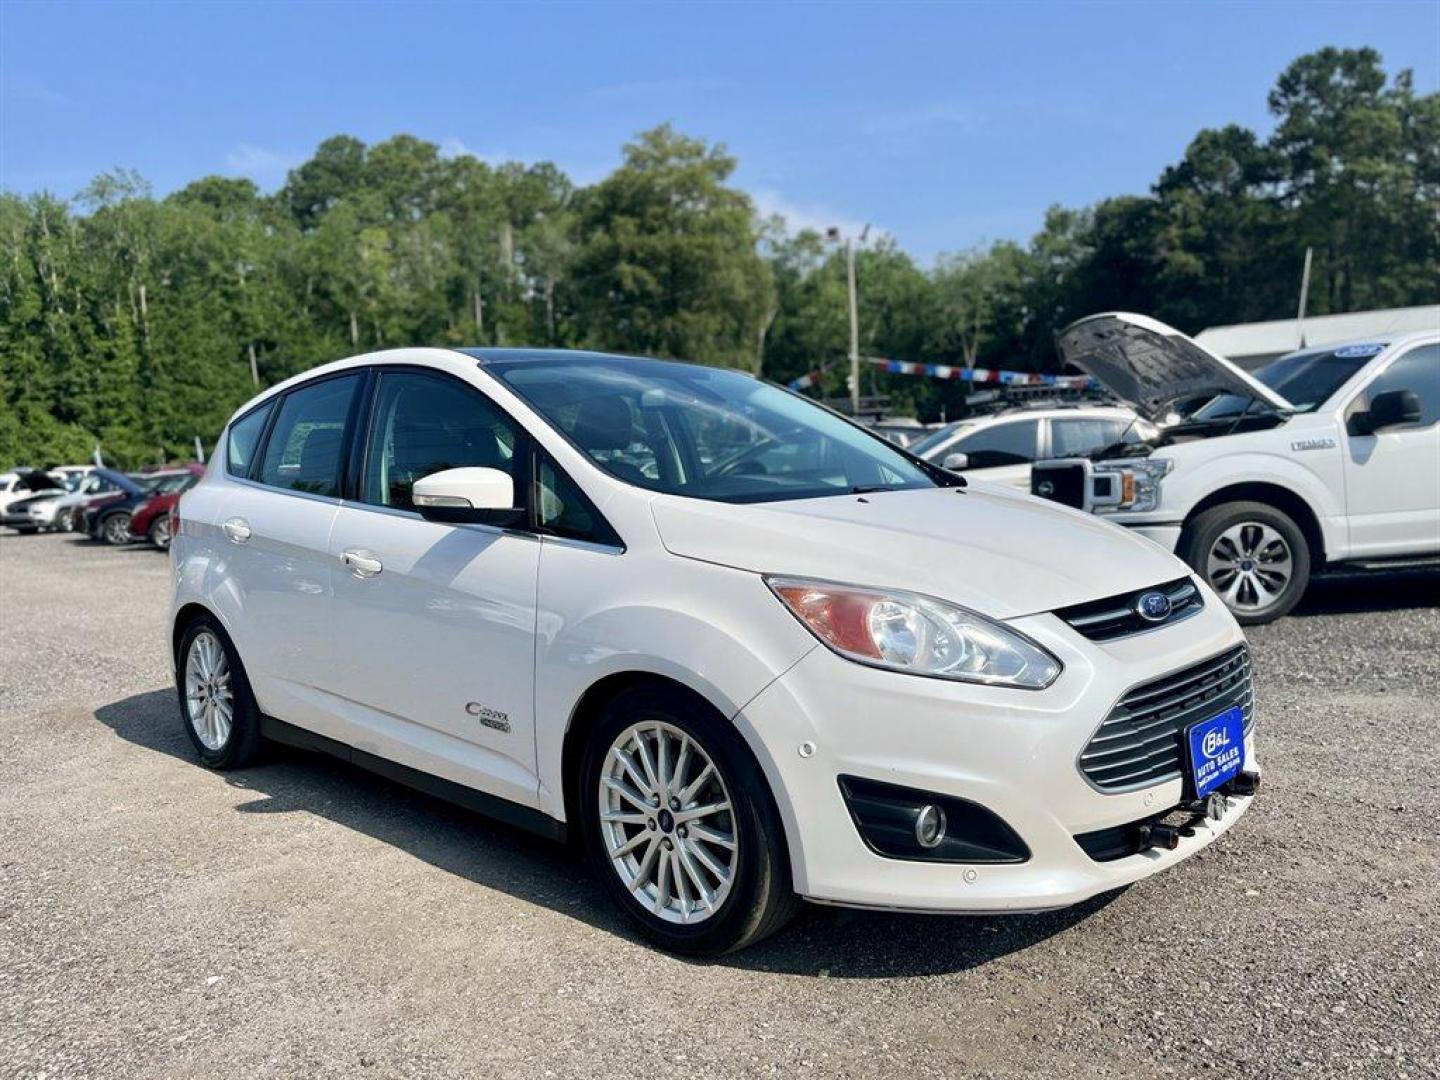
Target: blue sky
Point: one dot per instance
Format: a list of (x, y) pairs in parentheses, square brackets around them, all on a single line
[(945, 125)]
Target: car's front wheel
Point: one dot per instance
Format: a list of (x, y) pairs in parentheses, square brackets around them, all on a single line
[(220, 712), (679, 824), (1253, 555), (65, 521), (116, 529)]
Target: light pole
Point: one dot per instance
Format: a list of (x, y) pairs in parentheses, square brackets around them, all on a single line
[(834, 234)]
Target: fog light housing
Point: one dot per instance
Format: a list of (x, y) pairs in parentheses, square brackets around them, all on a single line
[(930, 826), (905, 823)]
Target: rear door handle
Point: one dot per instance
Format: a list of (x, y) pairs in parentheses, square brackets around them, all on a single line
[(362, 564), (237, 529)]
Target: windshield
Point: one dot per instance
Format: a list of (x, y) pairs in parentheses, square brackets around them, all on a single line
[(708, 433), (177, 482), (1306, 380), (934, 439)]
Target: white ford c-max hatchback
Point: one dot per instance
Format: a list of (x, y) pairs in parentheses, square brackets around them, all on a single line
[(744, 649)]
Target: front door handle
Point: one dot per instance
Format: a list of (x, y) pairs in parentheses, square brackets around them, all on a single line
[(237, 529), (362, 564)]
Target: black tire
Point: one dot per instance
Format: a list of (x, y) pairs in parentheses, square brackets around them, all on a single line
[(114, 528), (159, 533), (1205, 531), (244, 743), (65, 521), (761, 898)]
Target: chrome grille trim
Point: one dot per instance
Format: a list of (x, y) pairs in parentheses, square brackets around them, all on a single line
[(1116, 617), (1139, 743)]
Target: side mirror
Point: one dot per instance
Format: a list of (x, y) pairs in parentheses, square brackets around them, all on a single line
[(956, 462), (472, 495), (1390, 409)]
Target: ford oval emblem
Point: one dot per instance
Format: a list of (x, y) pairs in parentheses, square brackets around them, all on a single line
[(1153, 606)]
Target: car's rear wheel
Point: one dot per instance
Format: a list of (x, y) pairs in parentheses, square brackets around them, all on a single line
[(160, 532), (116, 528), (1253, 555), (680, 826), (219, 709)]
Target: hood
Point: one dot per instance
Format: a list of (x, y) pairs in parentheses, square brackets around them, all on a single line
[(38, 481), (986, 547), (1154, 367), (120, 480)]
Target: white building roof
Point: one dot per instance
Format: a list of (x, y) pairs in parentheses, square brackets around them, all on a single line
[(1266, 339)]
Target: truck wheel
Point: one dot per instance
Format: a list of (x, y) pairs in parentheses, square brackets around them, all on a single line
[(1253, 555)]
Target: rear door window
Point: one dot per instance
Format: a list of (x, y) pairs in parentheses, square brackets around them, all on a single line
[(304, 449)]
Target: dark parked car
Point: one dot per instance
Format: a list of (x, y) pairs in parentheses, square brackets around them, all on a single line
[(122, 486), (110, 520)]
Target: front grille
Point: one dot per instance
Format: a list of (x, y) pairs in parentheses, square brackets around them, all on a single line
[(1141, 742), (1060, 483), (1119, 616)]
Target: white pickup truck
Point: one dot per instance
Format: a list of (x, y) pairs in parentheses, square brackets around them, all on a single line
[(1326, 456)]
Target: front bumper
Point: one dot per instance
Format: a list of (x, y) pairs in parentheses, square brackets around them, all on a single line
[(1013, 752)]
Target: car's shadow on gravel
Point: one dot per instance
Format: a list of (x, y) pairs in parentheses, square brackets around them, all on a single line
[(1349, 593), (822, 942)]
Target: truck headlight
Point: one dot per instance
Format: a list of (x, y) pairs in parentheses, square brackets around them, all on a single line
[(1138, 483), (905, 631)]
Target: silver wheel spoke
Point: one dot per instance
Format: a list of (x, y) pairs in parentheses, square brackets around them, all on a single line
[(710, 836), (682, 816), (634, 799), (679, 864), (634, 773), (702, 891), (630, 845), (688, 795), (681, 760), (704, 859)]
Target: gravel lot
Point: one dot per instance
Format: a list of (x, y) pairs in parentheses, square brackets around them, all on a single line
[(304, 918)]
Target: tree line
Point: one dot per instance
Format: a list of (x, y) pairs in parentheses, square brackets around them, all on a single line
[(140, 322)]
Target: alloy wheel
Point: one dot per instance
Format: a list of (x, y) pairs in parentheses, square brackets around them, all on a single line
[(160, 533), (209, 698), (1250, 565), (117, 528), (667, 822)]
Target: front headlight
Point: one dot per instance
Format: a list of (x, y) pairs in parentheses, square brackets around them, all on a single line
[(1138, 484), (904, 631)]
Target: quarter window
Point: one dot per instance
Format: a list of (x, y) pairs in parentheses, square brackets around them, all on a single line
[(304, 448), (242, 440), (1003, 444), (1417, 371), (563, 510), (425, 424)]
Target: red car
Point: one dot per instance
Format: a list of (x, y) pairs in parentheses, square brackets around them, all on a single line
[(150, 520)]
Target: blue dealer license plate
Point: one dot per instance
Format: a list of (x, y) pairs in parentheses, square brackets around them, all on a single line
[(1217, 750)]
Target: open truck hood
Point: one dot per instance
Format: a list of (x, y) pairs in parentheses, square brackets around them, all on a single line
[(1154, 367)]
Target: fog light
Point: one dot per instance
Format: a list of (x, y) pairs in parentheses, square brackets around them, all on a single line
[(930, 826)]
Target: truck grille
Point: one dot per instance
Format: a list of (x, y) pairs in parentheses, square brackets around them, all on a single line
[(1141, 742), (1119, 616)]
